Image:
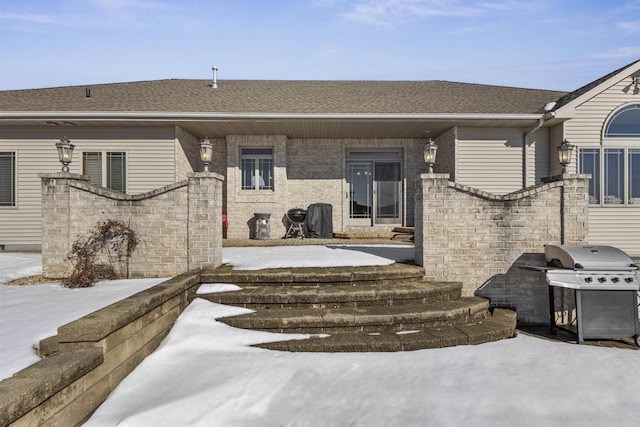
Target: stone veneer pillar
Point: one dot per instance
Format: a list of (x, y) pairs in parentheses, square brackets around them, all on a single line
[(575, 209), (56, 222), (205, 220)]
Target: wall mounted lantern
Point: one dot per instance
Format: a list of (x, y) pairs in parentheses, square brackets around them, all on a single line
[(206, 153), (565, 150), (430, 150), (65, 152)]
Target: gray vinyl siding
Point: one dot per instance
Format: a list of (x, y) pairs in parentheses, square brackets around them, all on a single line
[(20, 224), (537, 156), (150, 164), (608, 225), (490, 159), (616, 226), (556, 136)]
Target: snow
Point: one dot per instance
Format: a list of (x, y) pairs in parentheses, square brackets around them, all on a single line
[(205, 374), (256, 258)]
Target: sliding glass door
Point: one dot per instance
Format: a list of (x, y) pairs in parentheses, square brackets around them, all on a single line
[(375, 192)]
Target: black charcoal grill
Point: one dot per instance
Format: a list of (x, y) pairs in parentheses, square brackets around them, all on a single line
[(606, 285), (296, 217)]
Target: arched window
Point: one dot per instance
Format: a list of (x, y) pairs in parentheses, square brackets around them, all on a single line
[(625, 123)]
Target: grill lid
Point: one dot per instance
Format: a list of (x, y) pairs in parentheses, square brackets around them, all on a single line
[(588, 257)]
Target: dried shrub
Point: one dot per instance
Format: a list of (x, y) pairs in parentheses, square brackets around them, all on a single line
[(102, 255)]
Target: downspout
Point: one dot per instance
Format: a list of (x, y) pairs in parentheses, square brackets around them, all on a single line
[(525, 160)]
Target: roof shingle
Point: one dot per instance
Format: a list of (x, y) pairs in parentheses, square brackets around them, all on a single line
[(282, 97)]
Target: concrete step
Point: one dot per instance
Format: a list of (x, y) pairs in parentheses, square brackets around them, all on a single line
[(391, 318), (335, 296), (315, 276), (500, 325), (379, 308)]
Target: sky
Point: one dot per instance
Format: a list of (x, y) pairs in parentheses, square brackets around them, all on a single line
[(544, 44)]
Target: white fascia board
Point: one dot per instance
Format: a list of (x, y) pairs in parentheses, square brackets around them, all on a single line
[(568, 111), (173, 116)]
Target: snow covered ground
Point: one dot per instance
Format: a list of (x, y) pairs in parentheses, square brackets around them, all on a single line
[(31, 313), (204, 374)]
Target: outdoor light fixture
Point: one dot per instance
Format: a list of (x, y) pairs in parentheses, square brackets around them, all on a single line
[(206, 152), (565, 150), (430, 150), (65, 152)]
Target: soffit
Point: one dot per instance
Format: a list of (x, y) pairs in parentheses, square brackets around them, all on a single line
[(294, 129)]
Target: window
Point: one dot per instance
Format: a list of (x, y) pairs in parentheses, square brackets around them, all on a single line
[(625, 123), (7, 178), (256, 165), (613, 176), (109, 169), (621, 175), (634, 176), (589, 161)]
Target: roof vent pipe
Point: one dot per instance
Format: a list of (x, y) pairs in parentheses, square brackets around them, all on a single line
[(214, 84)]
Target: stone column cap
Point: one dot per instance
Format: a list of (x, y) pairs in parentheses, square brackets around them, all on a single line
[(434, 176), (213, 175), (63, 175)]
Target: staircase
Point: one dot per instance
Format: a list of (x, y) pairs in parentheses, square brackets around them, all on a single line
[(361, 309)]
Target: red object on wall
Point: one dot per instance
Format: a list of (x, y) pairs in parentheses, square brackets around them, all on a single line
[(225, 223)]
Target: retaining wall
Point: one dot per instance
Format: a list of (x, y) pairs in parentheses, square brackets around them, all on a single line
[(482, 240), (90, 356)]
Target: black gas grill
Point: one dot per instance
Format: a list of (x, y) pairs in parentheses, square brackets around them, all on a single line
[(605, 282)]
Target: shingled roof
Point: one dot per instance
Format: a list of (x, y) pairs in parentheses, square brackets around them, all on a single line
[(282, 97)]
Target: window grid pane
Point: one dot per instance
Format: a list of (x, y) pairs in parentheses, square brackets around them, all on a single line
[(589, 162), (634, 176), (7, 179), (116, 172), (248, 171), (92, 167), (265, 173), (613, 176)]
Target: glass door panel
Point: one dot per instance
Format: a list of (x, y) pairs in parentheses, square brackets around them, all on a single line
[(360, 177), (388, 193)]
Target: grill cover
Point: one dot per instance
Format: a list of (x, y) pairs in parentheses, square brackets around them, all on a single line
[(320, 221), (604, 258)]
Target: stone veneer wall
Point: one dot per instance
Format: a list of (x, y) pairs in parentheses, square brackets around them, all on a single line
[(178, 226), (308, 171), (482, 240)]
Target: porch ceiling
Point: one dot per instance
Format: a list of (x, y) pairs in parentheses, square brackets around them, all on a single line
[(294, 128)]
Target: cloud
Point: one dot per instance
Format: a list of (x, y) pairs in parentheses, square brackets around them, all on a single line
[(621, 52), (28, 18), (394, 12), (86, 14), (630, 26)]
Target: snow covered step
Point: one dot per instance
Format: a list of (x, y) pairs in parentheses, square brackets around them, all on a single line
[(500, 325), (315, 276), (373, 318), (334, 296)]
